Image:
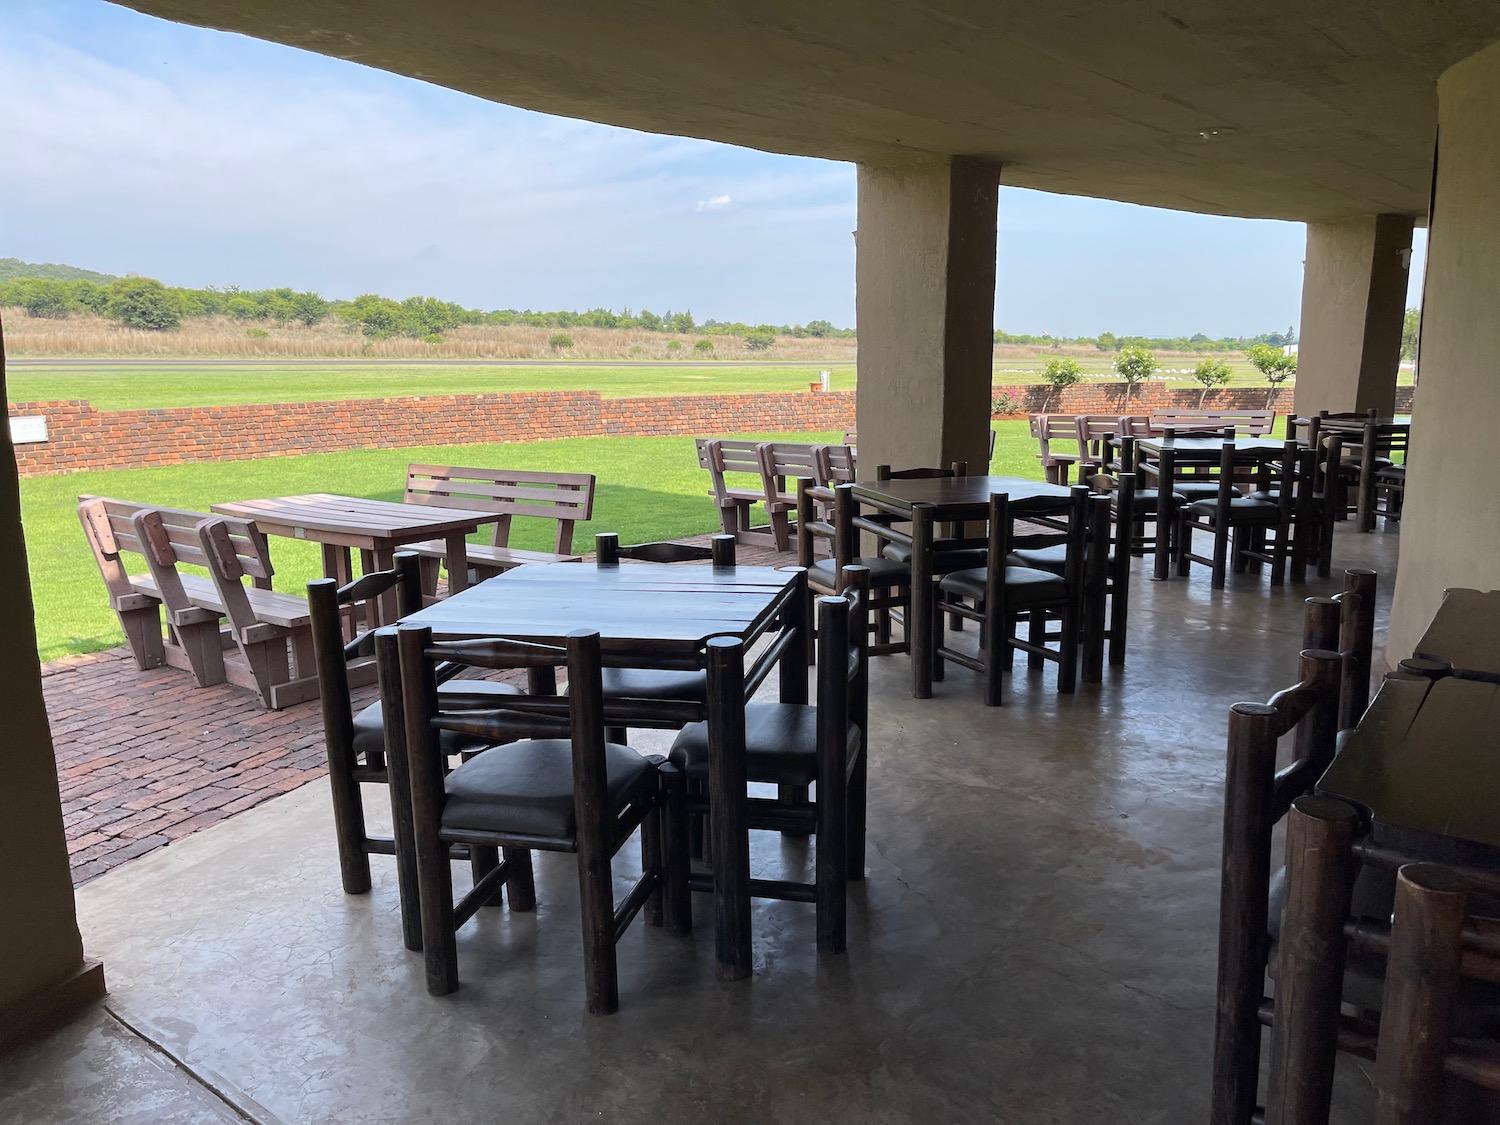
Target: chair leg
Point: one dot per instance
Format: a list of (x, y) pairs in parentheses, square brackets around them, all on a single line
[(1036, 633), (520, 882), (651, 852), (601, 979), (938, 664), (858, 801), (677, 899), (439, 941), (1184, 546), (482, 860), (143, 632), (792, 795), (1221, 555), (616, 735), (831, 864)]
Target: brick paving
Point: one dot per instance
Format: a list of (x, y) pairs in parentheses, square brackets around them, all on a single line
[(146, 758)]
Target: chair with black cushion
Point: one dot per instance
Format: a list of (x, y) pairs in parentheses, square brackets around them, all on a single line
[(1253, 530), (355, 742), (999, 594), (547, 782), (948, 550), (890, 580), (821, 747)]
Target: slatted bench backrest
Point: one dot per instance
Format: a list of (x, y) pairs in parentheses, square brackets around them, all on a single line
[(566, 498), (1254, 423)]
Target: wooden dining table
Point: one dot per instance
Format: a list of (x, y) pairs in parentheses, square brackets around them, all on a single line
[(952, 500), (1161, 457), (376, 528), (668, 616)]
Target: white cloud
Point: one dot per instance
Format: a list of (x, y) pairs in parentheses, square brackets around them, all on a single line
[(714, 203)]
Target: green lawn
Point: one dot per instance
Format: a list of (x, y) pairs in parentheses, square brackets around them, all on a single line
[(126, 387), (648, 488)]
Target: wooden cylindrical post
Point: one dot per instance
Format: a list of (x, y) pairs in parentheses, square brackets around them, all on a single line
[(729, 816), (1357, 643), (1119, 585), (1310, 977), (1316, 735), (1320, 623), (607, 549), (922, 609), (722, 547), (1421, 986)]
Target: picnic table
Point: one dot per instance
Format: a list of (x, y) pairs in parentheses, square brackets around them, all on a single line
[(659, 615), (376, 528)]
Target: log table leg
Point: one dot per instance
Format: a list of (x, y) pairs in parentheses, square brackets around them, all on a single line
[(922, 601), (728, 814), (1165, 514), (458, 562)]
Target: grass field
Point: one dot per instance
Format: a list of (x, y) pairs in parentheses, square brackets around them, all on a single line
[(129, 387), (648, 488)]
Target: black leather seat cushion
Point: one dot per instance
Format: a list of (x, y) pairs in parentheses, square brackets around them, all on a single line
[(1145, 500), (655, 683), (1242, 509), (369, 729), (526, 788), (883, 572), (1053, 559), (1191, 490), (781, 744), (1024, 586), (942, 561)]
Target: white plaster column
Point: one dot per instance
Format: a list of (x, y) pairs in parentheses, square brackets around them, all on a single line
[(1354, 280), (926, 309), (1450, 532)]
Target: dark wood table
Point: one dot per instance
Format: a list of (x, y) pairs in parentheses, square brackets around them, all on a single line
[(1425, 761), (1162, 457), (1465, 633), (376, 528), (953, 500), (652, 615)]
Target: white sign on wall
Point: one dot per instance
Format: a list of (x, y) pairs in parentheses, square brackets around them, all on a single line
[(24, 430)]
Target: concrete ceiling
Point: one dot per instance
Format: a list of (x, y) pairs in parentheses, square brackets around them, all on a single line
[(1294, 109)]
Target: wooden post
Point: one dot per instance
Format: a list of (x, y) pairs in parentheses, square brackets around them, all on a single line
[(922, 609), (832, 853), (1369, 450), (1310, 979), (1166, 510), (1421, 986), (1119, 593), (398, 782), (677, 899), (338, 734), (1096, 589), (607, 549), (722, 547), (729, 816), (1357, 643), (1320, 623)]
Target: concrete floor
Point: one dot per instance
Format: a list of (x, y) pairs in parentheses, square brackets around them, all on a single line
[(1035, 941)]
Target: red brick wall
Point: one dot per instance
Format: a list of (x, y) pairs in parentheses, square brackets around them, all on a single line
[(82, 438)]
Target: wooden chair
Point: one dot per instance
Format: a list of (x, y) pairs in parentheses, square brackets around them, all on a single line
[(723, 457), (549, 782), (565, 499), (889, 580), (193, 640), (1096, 443), (355, 742), (1258, 530), (1046, 429), (781, 464), (836, 464), (1000, 593), (797, 746)]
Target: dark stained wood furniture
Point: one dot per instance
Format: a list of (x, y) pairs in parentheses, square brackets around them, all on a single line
[(665, 616), (1253, 423), (889, 580), (376, 528), (922, 503), (564, 499), (1057, 464), (1465, 634), (1376, 442), (548, 781), (1244, 529)]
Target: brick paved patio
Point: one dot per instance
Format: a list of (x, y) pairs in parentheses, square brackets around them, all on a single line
[(146, 758)]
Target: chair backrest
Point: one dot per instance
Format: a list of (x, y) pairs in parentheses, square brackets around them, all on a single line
[(957, 469), (609, 552), (843, 676), (781, 461), (326, 605), (1047, 428), (567, 498), (814, 502), (728, 455), (1255, 423), (233, 550), (835, 464), (111, 530)]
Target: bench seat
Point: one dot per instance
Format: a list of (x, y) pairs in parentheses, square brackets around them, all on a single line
[(484, 557)]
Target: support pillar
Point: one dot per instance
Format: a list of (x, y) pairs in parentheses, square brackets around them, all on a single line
[(1353, 305), (1450, 527), (926, 311), (43, 976)]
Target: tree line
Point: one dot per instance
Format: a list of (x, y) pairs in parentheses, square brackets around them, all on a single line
[(143, 302), (1109, 342)]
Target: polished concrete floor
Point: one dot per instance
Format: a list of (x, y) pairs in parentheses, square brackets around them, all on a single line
[(1034, 942)]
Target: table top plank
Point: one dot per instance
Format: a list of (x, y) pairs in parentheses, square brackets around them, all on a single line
[(1194, 447), (1465, 633), (315, 514), (959, 497)]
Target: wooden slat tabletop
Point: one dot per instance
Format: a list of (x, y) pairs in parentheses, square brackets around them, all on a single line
[(1425, 758), (317, 514), (1466, 633), (1195, 448), (958, 498)]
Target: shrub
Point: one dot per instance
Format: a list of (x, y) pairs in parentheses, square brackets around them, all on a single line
[(1059, 374), (433, 338), (1134, 365), (1004, 404), (47, 299), (1211, 373), (759, 338), (143, 302), (674, 345), (635, 349), (559, 341), (703, 346), (1274, 364), (256, 333)]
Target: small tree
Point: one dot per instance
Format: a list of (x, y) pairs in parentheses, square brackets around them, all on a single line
[(759, 338), (1134, 365), (1106, 342), (143, 302), (47, 299), (559, 341), (1059, 375), (1274, 364), (1211, 373), (703, 347)]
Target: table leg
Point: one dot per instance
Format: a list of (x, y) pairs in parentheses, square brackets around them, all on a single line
[(340, 567), (922, 604), (728, 813), (1166, 515), (458, 562), (382, 608), (794, 662), (1365, 513)]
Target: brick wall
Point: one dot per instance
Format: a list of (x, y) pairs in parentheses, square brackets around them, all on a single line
[(81, 438)]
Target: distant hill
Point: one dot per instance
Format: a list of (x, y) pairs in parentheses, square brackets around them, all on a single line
[(12, 268)]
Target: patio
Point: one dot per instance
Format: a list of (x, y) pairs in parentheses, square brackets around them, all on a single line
[(1034, 942)]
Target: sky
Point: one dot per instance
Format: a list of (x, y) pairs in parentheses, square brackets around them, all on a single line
[(201, 158)]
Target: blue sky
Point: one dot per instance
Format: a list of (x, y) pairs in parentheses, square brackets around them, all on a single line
[(201, 158)]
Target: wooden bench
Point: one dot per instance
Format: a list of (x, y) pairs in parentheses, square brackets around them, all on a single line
[(193, 640), (1247, 423), (566, 498), (722, 457), (1047, 428), (270, 632), (781, 464)]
